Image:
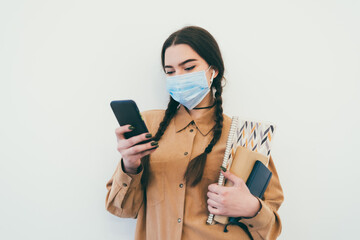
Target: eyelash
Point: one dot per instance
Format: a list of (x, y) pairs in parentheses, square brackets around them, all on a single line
[(187, 69)]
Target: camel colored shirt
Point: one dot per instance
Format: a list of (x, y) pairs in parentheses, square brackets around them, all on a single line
[(171, 210)]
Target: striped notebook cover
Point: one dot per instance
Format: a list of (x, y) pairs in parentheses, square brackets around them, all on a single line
[(245, 137)]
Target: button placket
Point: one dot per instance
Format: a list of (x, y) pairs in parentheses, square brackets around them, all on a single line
[(186, 149)]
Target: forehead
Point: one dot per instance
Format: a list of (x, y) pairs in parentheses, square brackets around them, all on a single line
[(176, 54)]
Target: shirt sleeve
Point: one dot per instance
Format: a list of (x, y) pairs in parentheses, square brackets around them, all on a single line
[(266, 224), (125, 193)]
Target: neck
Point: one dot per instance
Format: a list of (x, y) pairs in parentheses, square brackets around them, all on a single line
[(207, 101)]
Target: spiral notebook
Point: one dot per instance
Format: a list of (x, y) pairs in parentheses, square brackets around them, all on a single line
[(248, 142)]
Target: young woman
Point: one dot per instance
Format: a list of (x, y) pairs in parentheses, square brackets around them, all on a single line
[(168, 184)]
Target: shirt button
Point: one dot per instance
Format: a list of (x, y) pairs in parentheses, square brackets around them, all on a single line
[(179, 220), (191, 130), (185, 153), (124, 184), (181, 185)]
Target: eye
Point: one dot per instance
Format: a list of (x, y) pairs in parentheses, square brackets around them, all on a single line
[(190, 68), (169, 72)]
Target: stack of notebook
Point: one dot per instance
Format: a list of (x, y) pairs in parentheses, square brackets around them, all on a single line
[(247, 155)]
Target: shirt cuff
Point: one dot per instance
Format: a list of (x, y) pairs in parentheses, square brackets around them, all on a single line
[(126, 179), (260, 219)]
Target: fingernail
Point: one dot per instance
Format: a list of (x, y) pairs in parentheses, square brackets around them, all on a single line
[(154, 143), (148, 135), (222, 168), (131, 127)]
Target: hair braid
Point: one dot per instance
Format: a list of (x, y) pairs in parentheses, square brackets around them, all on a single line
[(169, 114), (195, 169)]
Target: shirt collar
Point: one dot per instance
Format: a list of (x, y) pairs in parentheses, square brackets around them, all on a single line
[(205, 123)]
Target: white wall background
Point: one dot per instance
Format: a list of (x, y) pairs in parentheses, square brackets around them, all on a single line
[(294, 63)]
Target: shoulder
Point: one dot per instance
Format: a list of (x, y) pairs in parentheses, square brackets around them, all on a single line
[(153, 113), (227, 120), (153, 118)]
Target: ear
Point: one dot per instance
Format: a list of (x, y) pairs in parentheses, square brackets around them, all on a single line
[(216, 72)]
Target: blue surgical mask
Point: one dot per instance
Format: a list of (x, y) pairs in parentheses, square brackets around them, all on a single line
[(189, 89)]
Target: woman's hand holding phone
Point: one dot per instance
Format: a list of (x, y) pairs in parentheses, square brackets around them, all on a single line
[(130, 152)]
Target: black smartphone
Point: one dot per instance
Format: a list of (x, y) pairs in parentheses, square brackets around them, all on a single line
[(127, 112)]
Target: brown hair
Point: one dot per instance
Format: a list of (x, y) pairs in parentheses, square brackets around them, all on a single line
[(202, 42)]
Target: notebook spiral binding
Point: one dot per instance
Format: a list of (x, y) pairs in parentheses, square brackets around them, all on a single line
[(227, 157)]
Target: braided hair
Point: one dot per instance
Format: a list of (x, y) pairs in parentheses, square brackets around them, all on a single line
[(202, 42)]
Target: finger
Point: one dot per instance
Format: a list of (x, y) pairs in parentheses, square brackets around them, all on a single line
[(233, 178), (121, 130), (138, 156), (120, 146), (213, 210), (138, 149), (142, 154), (133, 159), (213, 203), (216, 188), (215, 197), (137, 139), (128, 143)]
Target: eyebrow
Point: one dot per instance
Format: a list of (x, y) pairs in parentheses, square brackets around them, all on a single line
[(180, 64)]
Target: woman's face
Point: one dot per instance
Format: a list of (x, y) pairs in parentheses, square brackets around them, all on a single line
[(181, 59)]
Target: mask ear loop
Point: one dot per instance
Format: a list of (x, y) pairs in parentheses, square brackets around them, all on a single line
[(212, 77)]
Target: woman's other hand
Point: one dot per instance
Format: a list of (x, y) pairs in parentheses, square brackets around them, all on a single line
[(130, 152), (234, 201)]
